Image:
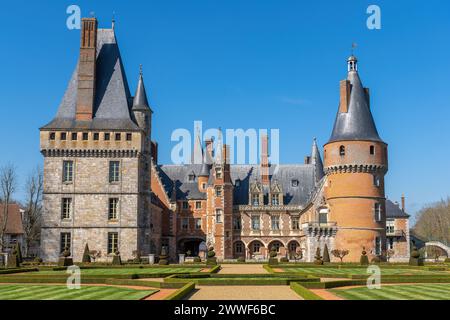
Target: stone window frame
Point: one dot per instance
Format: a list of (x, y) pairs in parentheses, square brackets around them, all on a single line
[(238, 247), (255, 201), (198, 224), (219, 215), (74, 136), (377, 211), (63, 136), (118, 136), (96, 136), (219, 192), (219, 173), (85, 136), (185, 205), (185, 224), (107, 136), (295, 223), (256, 244), (129, 136), (198, 205), (112, 243), (377, 246), (113, 209), (342, 151), (237, 223), (65, 240), (275, 222), (252, 224), (390, 226), (52, 136), (66, 208), (376, 181), (114, 172), (68, 172)]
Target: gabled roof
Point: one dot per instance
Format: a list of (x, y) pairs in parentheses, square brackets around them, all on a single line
[(14, 222), (357, 123), (394, 211), (112, 95)]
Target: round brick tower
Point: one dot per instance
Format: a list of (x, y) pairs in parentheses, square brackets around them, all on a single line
[(356, 162)]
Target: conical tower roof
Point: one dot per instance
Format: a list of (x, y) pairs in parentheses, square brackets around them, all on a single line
[(316, 160), (357, 123), (140, 101)]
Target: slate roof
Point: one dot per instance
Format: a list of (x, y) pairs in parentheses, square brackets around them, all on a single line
[(246, 174), (14, 222), (112, 96), (394, 211), (357, 123)]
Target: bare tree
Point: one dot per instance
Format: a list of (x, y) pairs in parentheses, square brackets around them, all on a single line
[(33, 208), (340, 254), (433, 222), (8, 183)]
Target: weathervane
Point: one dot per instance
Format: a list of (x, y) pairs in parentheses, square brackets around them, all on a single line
[(113, 21), (354, 46)]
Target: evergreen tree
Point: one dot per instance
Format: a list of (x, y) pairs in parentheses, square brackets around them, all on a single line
[(326, 254), (86, 255)]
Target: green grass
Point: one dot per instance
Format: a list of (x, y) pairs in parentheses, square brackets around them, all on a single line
[(123, 271), (36, 292), (398, 292), (361, 271)]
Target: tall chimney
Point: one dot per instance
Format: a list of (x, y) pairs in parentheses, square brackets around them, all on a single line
[(87, 70), (403, 203), (345, 90), (209, 146), (265, 160)]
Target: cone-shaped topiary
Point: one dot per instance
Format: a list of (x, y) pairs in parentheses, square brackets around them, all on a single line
[(326, 254), (364, 260), (117, 261), (86, 255), (65, 261), (318, 257), (13, 260)]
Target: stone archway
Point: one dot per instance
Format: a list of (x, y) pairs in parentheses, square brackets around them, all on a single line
[(257, 250), (279, 246), (190, 244), (439, 245), (238, 249)]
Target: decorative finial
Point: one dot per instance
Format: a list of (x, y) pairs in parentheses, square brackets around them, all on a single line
[(92, 13), (354, 46), (141, 73), (113, 21)]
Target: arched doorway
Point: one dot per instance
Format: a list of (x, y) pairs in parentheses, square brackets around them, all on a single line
[(256, 250), (191, 246), (238, 250), (278, 246), (293, 247)]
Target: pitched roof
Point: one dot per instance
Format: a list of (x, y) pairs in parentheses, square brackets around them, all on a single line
[(14, 221), (357, 123), (284, 175), (112, 95), (393, 210)]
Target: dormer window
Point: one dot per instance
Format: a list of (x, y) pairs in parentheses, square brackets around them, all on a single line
[(191, 178), (218, 173), (255, 199), (342, 151), (275, 200), (294, 183)]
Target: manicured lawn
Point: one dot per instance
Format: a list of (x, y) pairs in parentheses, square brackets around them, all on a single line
[(398, 292), (124, 271), (40, 292), (361, 271)]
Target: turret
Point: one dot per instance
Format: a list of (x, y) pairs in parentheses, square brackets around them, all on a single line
[(141, 109), (355, 161)]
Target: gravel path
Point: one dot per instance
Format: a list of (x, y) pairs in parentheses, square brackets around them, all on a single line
[(242, 269), (243, 293)]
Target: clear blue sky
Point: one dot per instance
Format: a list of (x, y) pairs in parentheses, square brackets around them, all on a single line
[(247, 64)]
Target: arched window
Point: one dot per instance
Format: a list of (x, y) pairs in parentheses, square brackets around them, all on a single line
[(342, 151), (372, 150), (238, 247)]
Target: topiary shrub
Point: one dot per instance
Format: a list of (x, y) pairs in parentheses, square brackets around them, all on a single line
[(65, 261), (284, 260), (86, 255), (13, 260), (415, 259), (163, 257), (326, 254), (273, 254), (241, 260), (38, 260), (318, 257), (19, 252), (375, 260), (364, 260), (117, 261), (197, 260), (211, 260)]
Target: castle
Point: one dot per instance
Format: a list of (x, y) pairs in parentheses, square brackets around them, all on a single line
[(103, 185)]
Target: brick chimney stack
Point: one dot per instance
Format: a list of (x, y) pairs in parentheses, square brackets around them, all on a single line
[(87, 70), (345, 90), (403, 203), (265, 179)]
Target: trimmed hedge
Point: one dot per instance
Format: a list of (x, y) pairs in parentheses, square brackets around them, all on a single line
[(304, 292), (181, 293), (13, 271)]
